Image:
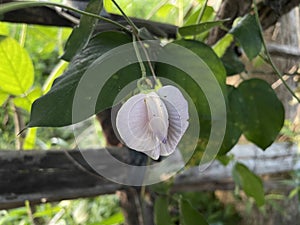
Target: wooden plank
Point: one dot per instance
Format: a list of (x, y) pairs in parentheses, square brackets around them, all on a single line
[(53, 16), (50, 176), (46, 176), (278, 159)]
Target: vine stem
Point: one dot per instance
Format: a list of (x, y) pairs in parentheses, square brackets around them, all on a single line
[(269, 59), (29, 209), (129, 21), (136, 37), (148, 60), (138, 55), (23, 35), (20, 5)]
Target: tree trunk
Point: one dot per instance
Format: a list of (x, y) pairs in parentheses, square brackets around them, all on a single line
[(135, 209)]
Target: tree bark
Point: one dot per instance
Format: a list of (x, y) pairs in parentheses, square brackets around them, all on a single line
[(229, 9), (269, 11), (132, 203)]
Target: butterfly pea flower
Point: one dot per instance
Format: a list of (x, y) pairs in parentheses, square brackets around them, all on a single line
[(154, 122)]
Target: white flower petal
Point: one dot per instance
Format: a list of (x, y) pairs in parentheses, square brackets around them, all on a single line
[(157, 116), (132, 124), (177, 108), (154, 154), (154, 123), (174, 96)]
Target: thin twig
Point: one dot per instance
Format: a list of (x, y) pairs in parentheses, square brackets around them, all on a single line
[(269, 59), (135, 33), (129, 21)]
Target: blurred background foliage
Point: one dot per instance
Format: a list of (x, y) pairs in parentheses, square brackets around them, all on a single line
[(45, 46)]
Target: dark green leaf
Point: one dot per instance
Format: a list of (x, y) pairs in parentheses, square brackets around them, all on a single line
[(199, 28), (55, 108), (225, 159), (81, 35), (162, 188), (247, 32), (189, 215), (264, 112), (232, 63), (234, 116), (189, 85), (161, 212), (251, 183)]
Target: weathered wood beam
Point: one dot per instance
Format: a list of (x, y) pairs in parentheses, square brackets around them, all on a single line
[(273, 164), (51, 16), (42, 176), (38, 15), (47, 176), (284, 51), (269, 11)]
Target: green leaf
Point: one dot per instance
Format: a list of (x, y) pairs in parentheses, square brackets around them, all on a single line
[(251, 183), (162, 188), (44, 40), (247, 32), (117, 218), (208, 15), (55, 108), (225, 159), (81, 35), (161, 212), (48, 211), (166, 13), (26, 101), (234, 116), (264, 112), (189, 215), (222, 45), (199, 28), (209, 57), (16, 69), (4, 29), (3, 97), (189, 85), (30, 139)]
